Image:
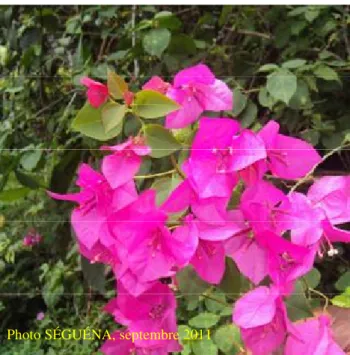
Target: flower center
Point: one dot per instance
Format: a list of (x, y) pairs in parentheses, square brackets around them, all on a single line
[(157, 311), (286, 261), (190, 90), (223, 159), (155, 242), (279, 156), (206, 249)]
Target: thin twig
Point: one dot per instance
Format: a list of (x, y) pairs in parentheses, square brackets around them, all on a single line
[(176, 166), (133, 39), (322, 295), (311, 172), (214, 299), (155, 175), (253, 33)]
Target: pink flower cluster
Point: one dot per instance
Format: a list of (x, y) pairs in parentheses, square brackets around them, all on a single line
[(31, 238), (271, 235)]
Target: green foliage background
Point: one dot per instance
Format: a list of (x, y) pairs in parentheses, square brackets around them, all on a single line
[(287, 63)]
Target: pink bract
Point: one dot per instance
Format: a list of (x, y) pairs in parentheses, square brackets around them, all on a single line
[(315, 337), (153, 311), (262, 317), (121, 167), (197, 90), (157, 84), (332, 195), (96, 199), (97, 93)]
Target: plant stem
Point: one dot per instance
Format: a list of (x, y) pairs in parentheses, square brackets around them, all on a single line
[(214, 299), (176, 166), (155, 175), (311, 172), (322, 295)]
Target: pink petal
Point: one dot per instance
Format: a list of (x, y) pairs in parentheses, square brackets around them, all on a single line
[(254, 172), (87, 226), (248, 148), (335, 234), (88, 177), (179, 199), (189, 111), (243, 250), (209, 261), (197, 74), (118, 344), (184, 242), (255, 308), (285, 161), (120, 168), (331, 193), (266, 339), (213, 133), (156, 83), (217, 97), (269, 133), (97, 95)]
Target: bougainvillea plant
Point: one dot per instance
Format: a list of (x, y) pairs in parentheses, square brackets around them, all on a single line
[(223, 206)]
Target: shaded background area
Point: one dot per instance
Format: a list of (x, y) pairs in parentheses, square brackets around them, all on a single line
[(265, 53)]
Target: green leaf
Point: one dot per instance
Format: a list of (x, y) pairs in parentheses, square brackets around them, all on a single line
[(231, 281), (184, 331), (342, 300), (213, 305), (228, 339), (250, 113), (94, 275), (343, 281), (52, 294), (312, 12), (313, 278), (27, 180), (30, 159), (301, 97), (204, 347), (186, 349), (311, 135), (204, 320), (152, 104), (164, 186), (89, 122), (333, 140), (297, 304), (282, 85), (182, 44), (268, 67), (165, 19), (226, 311), (294, 63), (325, 72), (265, 99), (190, 284), (113, 117), (12, 195), (132, 125), (161, 141), (240, 101), (225, 13), (116, 85), (156, 41)]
